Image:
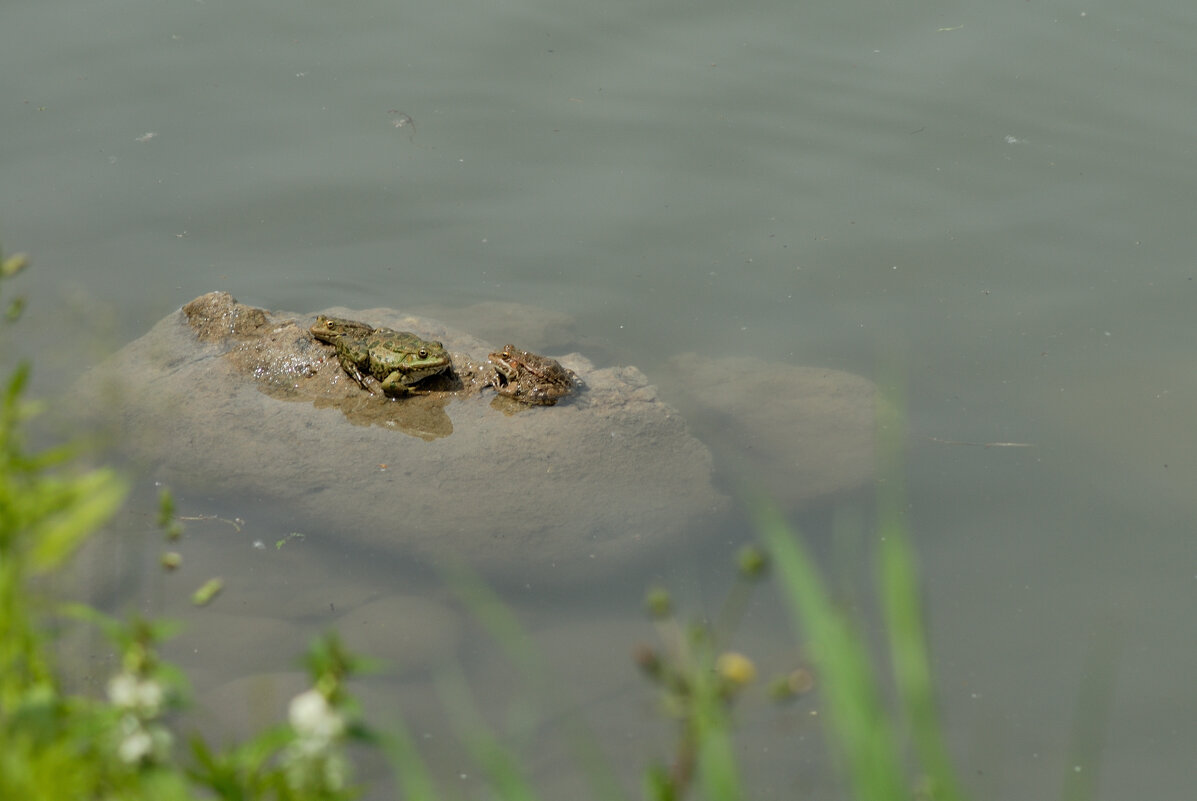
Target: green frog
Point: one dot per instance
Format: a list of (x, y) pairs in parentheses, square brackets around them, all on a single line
[(398, 359), (530, 378)]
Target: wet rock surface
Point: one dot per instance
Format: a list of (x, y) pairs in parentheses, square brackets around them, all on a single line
[(225, 397)]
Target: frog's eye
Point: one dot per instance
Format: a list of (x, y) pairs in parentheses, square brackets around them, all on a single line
[(423, 353)]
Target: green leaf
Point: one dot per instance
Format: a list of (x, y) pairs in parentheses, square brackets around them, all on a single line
[(208, 592), (88, 502)]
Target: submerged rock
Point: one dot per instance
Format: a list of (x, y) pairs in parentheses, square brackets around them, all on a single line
[(224, 397), (797, 433)]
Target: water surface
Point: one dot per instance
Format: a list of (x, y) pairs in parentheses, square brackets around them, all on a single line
[(1000, 194)]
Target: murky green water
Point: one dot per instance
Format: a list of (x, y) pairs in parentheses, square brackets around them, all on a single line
[(997, 196)]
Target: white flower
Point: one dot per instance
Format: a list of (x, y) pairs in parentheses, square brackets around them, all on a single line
[(121, 690), (140, 743), (143, 696), (311, 759), (136, 744), (314, 719), (135, 747)]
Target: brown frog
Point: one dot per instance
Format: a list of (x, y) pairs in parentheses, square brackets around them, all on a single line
[(530, 378)]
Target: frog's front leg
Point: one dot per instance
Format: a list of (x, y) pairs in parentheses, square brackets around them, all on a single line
[(394, 385), (348, 365)]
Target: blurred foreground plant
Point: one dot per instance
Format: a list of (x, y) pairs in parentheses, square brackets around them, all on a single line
[(700, 680), (870, 739), (59, 745), (49, 744)]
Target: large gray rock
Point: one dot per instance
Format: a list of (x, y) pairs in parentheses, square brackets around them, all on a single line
[(221, 396)]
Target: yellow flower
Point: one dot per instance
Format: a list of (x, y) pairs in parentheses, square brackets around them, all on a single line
[(735, 668)]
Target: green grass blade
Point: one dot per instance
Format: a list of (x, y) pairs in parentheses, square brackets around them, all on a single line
[(497, 618), (717, 772), (901, 602), (411, 773), (498, 762), (911, 668), (1090, 719), (860, 731)]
